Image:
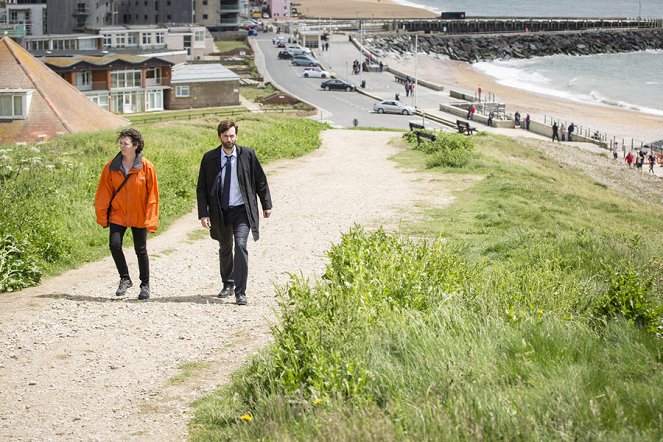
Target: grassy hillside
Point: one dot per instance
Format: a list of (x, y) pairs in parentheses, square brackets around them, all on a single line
[(530, 309), (47, 220)]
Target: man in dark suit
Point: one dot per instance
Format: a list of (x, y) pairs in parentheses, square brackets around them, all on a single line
[(230, 182)]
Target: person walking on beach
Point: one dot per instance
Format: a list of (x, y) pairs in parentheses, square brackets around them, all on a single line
[(571, 129), (128, 196), (230, 182), (555, 132)]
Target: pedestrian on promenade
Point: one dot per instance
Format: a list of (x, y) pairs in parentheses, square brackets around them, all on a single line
[(555, 132), (562, 130), (470, 112), (571, 129), (516, 119), (490, 118), (407, 88), (128, 196), (381, 66), (652, 161), (629, 158), (397, 96), (527, 119), (230, 182)]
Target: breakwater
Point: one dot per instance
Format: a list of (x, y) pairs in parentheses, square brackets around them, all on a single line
[(486, 47)]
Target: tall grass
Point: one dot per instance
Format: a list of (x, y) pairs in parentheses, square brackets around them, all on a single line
[(47, 220), (534, 313)]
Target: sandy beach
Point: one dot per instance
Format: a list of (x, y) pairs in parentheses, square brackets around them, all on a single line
[(461, 76), (360, 9)]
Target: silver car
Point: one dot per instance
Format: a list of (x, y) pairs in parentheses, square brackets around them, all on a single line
[(393, 107)]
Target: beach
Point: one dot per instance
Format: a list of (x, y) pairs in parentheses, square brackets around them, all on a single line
[(360, 9), (460, 76)]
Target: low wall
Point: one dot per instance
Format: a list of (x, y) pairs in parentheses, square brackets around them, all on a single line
[(462, 113), (546, 130)]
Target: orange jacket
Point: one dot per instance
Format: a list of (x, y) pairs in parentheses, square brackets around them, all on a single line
[(137, 203)]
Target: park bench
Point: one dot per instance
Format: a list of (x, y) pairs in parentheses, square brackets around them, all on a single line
[(421, 134), (464, 127), (399, 79), (416, 125)]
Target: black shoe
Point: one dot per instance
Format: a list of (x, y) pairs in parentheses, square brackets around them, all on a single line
[(144, 292), (125, 283), (241, 299), (227, 291)]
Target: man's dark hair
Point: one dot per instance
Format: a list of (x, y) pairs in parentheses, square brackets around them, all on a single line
[(225, 125), (136, 138)]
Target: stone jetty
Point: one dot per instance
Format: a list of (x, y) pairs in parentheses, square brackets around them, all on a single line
[(486, 47)]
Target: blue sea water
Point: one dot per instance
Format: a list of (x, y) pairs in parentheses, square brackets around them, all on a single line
[(632, 80)]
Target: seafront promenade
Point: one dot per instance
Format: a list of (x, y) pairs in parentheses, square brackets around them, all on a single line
[(383, 86)]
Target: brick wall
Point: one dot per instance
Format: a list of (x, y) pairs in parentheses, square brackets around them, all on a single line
[(207, 94)]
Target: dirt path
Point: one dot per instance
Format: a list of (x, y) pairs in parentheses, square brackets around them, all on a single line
[(77, 364)]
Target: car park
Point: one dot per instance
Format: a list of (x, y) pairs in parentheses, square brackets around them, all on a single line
[(284, 55), (302, 60), (315, 72), (336, 84), (393, 107)]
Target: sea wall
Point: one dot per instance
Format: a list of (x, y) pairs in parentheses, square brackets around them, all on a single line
[(486, 47)]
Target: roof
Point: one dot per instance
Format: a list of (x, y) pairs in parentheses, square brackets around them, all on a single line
[(56, 107), (202, 72), (104, 61)]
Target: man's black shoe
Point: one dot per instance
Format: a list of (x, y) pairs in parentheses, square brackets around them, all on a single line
[(227, 291), (241, 299), (125, 283), (144, 292)]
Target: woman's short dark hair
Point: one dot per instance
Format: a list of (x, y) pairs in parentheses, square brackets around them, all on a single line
[(136, 138), (225, 125)]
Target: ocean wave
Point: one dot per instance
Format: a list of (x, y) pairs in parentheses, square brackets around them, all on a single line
[(511, 75)]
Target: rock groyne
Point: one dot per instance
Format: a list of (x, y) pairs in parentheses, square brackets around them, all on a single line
[(474, 48)]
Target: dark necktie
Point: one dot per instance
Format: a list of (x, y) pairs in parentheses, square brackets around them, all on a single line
[(225, 190)]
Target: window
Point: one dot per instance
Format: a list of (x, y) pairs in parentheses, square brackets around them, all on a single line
[(120, 40), (199, 35), (127, 102), (131, 39), (182, 91), (83, 80), (147, 39), (100, 100), (153, 76), (107, 40), (125, 79), (204, 16), (160, 38), (14, 104)]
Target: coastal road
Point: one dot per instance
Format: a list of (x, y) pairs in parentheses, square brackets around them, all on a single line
[(339, 108)]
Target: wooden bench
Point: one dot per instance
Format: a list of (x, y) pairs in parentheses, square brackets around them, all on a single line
[(421, 134), (464, 127), (399, 79)]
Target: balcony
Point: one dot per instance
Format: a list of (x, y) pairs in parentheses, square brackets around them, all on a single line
[(93, 86), (81, 10)]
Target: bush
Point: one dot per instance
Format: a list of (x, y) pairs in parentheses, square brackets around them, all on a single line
[(448, 150), (629, 296), (18, 268)]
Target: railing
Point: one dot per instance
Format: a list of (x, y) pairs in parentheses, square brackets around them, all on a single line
[(93, 86)]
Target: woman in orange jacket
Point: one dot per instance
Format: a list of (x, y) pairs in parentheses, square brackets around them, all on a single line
[(128, 196)]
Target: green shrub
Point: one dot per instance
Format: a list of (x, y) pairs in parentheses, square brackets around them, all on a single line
[(18, 269), (448, 150), (629, 296)]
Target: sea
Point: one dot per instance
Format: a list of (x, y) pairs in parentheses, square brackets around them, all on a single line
[(630, 80)]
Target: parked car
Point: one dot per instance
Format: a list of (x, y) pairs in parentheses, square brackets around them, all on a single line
[(280, 44), (302, 60), (337, 84), (296, 49), (315, 72), (393, 107), (284, 55)]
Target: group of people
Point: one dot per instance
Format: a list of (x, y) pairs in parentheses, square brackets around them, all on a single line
[(409, 87), (640, 158), (557, 129), (230, 182)]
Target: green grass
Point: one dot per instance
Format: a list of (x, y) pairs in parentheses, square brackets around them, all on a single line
[(229, 45), (254, 94), (532, 312), (193, 114), (188, 370), (47, 220)]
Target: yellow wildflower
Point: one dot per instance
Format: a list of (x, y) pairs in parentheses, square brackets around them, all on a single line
[(246, 417), (317, 401)]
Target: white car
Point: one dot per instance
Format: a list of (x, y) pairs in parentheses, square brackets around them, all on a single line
[(393, 107), (296, 49), (315, 72)]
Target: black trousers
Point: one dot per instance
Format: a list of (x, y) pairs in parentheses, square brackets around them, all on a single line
[(140, 246), (234, 267)]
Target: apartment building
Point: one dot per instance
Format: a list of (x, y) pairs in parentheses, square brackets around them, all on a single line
[(219, 15), (280, 8), (144, 12), (28, 15), (68, 16)]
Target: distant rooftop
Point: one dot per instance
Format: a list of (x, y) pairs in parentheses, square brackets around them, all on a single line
[(202, 72)]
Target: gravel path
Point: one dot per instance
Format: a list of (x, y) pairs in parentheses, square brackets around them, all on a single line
[(77, 364)]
